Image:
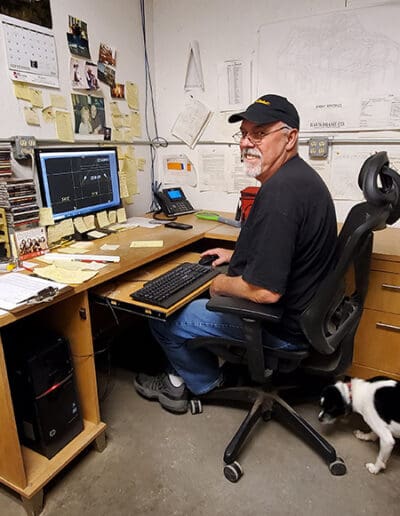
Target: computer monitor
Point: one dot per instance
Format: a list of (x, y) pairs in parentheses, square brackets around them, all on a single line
[(78, 181)]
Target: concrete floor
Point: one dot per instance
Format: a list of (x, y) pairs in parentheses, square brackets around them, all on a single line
[(156, 463)]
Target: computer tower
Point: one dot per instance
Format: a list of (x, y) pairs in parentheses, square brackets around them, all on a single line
[(43, 389)]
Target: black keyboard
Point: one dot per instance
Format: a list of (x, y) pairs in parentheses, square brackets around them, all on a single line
[(172, 286)]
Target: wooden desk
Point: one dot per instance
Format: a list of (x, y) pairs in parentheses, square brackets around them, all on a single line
[(22, 469), (377, 350)]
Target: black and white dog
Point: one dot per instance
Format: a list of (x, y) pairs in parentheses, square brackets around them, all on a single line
[(377, 400)]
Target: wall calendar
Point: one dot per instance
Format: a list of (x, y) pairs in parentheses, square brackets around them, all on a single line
[(31, 53)]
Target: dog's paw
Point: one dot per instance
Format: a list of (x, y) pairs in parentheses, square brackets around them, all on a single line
[(361, 435), (373, 468), (365, 436)]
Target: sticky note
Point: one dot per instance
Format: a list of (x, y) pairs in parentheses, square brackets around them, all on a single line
[(147, 243)]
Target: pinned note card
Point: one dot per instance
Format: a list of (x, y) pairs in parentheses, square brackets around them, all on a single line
[(147, 243)]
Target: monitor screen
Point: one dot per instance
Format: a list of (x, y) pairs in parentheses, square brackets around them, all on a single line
[(78, 181)]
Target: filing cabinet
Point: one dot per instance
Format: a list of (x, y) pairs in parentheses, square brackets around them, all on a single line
[(377, 343)]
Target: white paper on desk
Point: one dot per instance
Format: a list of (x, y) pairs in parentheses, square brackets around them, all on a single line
[(143, 222), (15, 288), (109, 247), (191, 122)]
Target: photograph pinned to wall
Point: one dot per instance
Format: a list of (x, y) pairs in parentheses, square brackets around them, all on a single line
[(97, 115), (118, 91), (32, 12), (106, 74), (107, 55), (91, 76), (77, 36), (82, 114), (89, 114), (78, 74)]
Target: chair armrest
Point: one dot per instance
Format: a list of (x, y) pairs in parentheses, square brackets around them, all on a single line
[(245, 308)]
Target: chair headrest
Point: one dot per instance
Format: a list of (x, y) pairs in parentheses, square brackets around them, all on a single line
[(376, 170)]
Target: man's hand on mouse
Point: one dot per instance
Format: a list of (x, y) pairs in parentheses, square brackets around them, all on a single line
[(224, 255)]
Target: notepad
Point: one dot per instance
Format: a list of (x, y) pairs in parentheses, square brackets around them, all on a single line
[(147, 243)]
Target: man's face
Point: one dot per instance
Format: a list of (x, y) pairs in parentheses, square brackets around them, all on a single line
[(93, 110), (262, 157)]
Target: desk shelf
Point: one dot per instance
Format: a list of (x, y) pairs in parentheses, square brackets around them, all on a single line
[(21, 468), (38, 470)]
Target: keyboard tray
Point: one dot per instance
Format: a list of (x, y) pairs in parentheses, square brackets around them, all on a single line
[(166, 289)]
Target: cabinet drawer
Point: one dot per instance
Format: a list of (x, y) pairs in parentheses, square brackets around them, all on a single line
[(383, 292), (377, 343)]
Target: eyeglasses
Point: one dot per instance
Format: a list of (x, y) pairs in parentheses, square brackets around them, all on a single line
[(257, 136)]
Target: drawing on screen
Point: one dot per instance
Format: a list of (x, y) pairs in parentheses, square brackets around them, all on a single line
[(79, 182)]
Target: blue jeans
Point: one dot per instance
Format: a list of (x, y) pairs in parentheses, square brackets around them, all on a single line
[(199, 367)]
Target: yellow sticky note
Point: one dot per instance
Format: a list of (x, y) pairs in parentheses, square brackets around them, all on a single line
[(132, 95), (36, 97), (58, 101), (102, 219), (48, 114), (118, 135), (135, 124), (80, 225), (147, 243), (141, 162), (114, 108), (21, 91), (31, 116), (89, 221), (117, 120), (121, 215), (46, 217), (65, 132)]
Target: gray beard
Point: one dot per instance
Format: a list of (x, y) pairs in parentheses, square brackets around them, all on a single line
[(252, 171)]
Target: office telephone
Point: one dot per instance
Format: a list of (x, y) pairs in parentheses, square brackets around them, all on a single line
[(173, 201)]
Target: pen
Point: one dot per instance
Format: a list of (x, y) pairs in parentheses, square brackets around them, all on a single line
[(27, 268)]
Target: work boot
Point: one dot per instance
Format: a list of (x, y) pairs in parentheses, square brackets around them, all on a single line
[(171, 398)]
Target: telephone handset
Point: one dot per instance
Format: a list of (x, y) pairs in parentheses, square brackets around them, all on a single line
[(173, 201)]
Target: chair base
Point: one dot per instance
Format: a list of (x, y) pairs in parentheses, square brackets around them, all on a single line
[(266, 405)]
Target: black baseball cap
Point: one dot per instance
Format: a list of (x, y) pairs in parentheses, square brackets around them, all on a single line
[(268, 109)]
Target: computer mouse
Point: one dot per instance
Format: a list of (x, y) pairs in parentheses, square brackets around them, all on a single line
[(208, 259)]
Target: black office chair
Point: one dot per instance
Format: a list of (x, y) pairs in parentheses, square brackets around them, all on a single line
[(329, 323)]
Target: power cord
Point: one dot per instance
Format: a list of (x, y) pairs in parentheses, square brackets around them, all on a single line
[(157, 141)]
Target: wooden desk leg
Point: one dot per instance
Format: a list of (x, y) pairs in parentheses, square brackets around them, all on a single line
[(33, 506), (100, 442)]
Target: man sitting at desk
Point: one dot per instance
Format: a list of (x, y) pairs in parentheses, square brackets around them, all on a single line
[(283, 252)]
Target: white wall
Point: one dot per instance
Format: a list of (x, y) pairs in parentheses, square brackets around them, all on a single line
[(225, 29), (116, 23)]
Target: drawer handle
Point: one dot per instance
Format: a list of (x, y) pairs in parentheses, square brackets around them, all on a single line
[(390, 287), (391, 327)]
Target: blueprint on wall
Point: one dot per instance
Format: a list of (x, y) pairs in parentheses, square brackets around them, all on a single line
[(341, 70)]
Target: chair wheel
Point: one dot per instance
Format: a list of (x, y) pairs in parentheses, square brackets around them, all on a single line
[(233, 472), (196, 407), (338, 467)]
